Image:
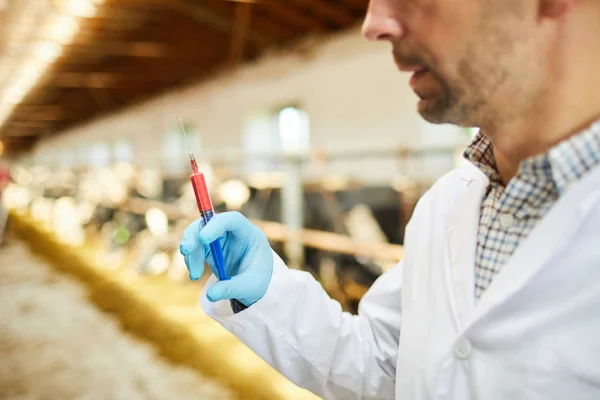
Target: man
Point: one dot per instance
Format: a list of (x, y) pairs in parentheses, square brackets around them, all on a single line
[(498, 296)]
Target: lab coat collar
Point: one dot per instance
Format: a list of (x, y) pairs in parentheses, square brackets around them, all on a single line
[(548, 238), (462, 221)]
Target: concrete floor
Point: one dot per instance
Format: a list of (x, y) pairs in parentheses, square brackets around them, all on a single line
[(54, 344)]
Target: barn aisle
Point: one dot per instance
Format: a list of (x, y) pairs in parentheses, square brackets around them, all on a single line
[(54, 344)]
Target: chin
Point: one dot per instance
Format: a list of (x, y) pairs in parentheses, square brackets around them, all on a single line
[(439, 111), (430, 112)]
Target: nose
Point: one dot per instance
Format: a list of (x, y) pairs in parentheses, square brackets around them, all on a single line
[(381, 22)]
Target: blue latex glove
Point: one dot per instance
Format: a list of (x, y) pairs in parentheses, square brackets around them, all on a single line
[(248, 256)]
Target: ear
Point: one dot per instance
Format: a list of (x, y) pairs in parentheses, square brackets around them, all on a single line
[(555, 8)]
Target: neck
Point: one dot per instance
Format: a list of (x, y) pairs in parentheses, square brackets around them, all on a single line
[(569, 103), (513, 145)]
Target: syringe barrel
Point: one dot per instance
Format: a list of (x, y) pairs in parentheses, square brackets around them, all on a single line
[(205, 207), (201, 191)]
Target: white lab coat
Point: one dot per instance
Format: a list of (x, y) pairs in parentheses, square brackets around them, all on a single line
[(534, 334)]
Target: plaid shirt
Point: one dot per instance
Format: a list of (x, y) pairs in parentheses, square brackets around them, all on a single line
[(509, 214)]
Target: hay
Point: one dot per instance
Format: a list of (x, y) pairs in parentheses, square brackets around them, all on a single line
[(54, 344), (179, 332)]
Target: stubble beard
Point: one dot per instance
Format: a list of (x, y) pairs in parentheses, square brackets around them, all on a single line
[(488, 85), (446, 107)]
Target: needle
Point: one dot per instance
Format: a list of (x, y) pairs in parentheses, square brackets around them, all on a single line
[(186, 137), (192, 158)]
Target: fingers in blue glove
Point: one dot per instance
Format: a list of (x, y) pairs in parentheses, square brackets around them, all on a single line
[(195, 263), (230, 222), (191, 237), (231, 289)]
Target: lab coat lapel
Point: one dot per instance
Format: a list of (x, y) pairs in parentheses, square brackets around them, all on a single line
[(551, 234), (462, 221)]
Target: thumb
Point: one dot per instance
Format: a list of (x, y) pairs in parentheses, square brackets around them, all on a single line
[(234, 288), (229, 222)]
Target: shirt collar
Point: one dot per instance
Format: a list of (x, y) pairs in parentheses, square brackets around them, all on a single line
[(563, 164), (574, 157), (480, 154)]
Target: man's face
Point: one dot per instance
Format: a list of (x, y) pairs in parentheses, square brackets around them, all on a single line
[(473, 61)]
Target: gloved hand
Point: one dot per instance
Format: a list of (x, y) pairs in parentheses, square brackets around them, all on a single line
[(248, 256)]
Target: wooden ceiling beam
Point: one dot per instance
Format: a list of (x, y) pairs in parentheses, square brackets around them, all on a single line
[(126, 49), (143, 68), (47, 115), (282, 12), (199, 13), (185, 57), (100, 93), (18, 132), (358, 5), (22, 146), (27, 124), (137, 69), (141, 49), (27, 109), (209, 17), (111, 99), (106, 80), (240, 32), (14, 145), (189, 38), (108, 11), (275, 31), (335, 14), (90, 37)]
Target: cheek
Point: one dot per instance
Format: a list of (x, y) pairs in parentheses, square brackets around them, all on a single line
[(445, 27), (453, 42)]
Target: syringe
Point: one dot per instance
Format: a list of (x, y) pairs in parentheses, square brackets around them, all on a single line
[(206, 209)]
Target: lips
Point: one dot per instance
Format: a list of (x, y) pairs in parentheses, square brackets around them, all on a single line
[(423, 80), (410, 68), (417, 78), (418, 72)]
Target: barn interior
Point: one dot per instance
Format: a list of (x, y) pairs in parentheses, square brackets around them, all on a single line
[(296, 121)]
